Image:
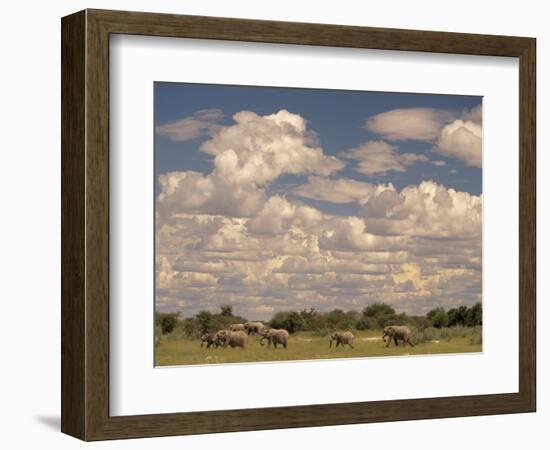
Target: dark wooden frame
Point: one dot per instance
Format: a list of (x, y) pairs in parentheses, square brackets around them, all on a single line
[(85, 224)]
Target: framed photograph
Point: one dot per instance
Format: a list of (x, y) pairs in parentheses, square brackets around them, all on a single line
[(274, 225)]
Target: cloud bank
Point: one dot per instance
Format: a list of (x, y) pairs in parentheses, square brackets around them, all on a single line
[(224, 237)]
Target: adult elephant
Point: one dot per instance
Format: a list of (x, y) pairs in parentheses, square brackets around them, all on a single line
[(342, 338), (237, 327), (220, 337), (254, 327), (232, 338), (397, 333), (275, 336)]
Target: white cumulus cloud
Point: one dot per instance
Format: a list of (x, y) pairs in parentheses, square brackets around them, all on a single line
[(423, 124), (340, 190), (247, 156), (463, 140), (203, 122), (379, 157)]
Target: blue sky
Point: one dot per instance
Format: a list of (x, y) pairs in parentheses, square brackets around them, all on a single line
[(272, 199), (337, 116)]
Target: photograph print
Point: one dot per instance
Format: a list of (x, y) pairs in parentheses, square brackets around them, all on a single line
[(307, 224)]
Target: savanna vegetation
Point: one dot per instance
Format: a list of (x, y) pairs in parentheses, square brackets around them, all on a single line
[(456, 330)]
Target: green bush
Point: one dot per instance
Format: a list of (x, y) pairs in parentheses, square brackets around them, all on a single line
[(365, 323), (378, 309), (166, 322), (438, 317), (291, 321), (474, 316), (437, 324), (207, 322)]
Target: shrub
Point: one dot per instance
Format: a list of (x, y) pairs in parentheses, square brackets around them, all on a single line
[(289, 320), (166, 321), (457, 316), (207, 322), (474, 316), (438, 317), (378, 309), (226, 311), (365, 323)]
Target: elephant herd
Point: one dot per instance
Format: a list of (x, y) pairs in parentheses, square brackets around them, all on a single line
[(237, 336)]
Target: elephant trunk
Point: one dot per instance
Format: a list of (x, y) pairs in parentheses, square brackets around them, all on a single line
[(262, 340)]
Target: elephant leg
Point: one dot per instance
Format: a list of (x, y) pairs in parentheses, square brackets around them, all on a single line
[(284, 345), (389, 342), (274, 344)]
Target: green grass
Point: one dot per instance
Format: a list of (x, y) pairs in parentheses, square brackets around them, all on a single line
[(177, 350)]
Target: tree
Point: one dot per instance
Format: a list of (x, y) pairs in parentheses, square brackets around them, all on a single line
[(291, 321), (204, 319), (166, 321), (452, 314), (438, 317), (381, 314), (312, 320), (378, 309), (226, 311), (474, 316), (365, 323), (462, 314)]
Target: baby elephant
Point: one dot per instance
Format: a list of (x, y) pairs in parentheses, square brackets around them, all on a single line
[(397, 333), (209, 339), (275, 336), (341, 338)]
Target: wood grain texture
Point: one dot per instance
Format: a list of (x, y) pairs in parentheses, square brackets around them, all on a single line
[(85, 224), (73, 226), (527, 225)]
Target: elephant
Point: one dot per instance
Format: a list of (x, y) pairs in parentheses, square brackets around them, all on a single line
[(397, 333), (254, 327), (237, 327), (219, 338), (232, 338), (209, 339), (342, 338), (275, 336)]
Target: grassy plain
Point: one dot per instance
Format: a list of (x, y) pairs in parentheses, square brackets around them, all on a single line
[(179, 350)]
